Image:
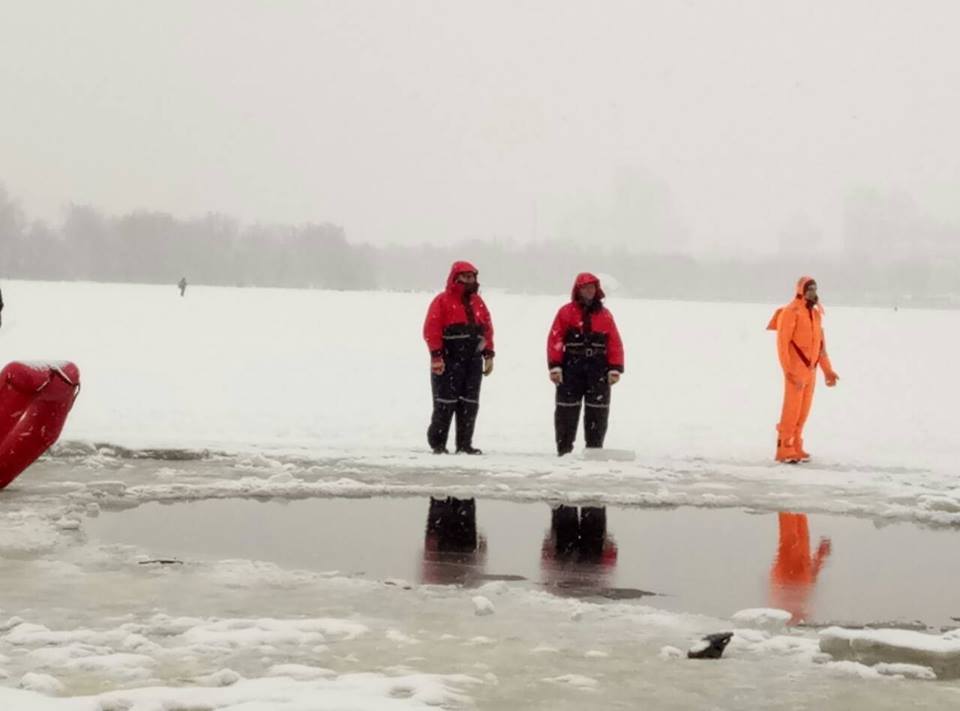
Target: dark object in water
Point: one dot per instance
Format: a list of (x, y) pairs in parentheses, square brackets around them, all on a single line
[(161, 561), (711, 647)]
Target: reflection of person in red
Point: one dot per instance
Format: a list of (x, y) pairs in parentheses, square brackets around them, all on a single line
[(454, 552), (577, 554), (794, 572)]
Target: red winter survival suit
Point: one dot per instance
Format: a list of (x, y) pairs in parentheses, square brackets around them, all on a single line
[(801, 348), (459, 334), (584, 346)]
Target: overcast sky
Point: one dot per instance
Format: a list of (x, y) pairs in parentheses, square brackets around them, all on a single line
[(716, 123)]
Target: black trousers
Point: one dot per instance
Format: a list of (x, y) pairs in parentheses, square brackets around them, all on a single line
[(579, 536), (456, 392), (584, 382), (454, 523)]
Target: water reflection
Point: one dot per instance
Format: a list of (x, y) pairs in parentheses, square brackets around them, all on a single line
[(454, 552), (794, 574), (578, 556)]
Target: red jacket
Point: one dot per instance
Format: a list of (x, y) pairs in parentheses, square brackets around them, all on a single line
[(570, 318), (449, 309)]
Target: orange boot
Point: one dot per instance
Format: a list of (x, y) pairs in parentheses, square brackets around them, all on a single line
[(804, 454), (787, 449), (787, 452)]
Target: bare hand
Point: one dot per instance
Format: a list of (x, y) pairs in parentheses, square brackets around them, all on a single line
[(488, 365), (437, 366), (556, 376), (613, 377)]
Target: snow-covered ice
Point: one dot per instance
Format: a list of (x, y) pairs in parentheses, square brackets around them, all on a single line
[(482, 606), (941, 653), (283, 394)]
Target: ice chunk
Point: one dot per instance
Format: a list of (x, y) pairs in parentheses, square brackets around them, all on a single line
[(482, 606), (762, 617), (669, 652), (941, 653), (907, 671), (41, 683)]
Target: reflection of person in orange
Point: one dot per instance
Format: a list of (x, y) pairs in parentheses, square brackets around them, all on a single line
[(800, 348), (454, 553), (577, 554), (794, 573)]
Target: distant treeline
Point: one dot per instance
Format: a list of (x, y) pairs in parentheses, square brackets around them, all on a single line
[(155, 247)]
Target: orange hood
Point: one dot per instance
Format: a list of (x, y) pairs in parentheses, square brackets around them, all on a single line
[(798, 295)]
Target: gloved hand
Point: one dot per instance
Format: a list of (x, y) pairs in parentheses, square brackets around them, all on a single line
[(831, 378), (613, 377), (556, 375), (437, 366), (488, 365)]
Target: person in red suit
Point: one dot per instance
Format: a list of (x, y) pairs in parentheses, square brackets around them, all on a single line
[(585, 357), (459, 334)]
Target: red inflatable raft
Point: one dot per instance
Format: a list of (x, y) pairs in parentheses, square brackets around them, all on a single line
[(35, 399)]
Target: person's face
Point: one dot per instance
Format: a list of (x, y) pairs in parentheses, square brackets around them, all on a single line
[(588, 292), (467, 278), (810, 292)]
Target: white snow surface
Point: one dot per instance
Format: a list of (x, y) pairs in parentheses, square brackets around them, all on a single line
[(762, 617), (941, 653), (342, 378), (311, 393)]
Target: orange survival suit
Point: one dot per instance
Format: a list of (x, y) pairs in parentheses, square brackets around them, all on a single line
[(801, 348), (794, 572)]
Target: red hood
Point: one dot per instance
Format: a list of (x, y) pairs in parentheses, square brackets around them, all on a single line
[(458, 268), (584, 278)]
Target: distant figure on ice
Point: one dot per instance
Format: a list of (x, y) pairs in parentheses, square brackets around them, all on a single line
[(801, 348), (794, 573), (585, 357), (1, 308), (459, 334), (182, 284)]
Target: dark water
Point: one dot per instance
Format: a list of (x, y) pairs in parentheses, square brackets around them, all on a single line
[(821, 568)]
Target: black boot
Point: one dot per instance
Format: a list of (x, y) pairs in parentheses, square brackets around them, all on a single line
[(469, 450)]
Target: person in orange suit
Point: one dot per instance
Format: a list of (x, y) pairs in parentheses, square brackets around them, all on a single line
[(801, 348), (794, 572)]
